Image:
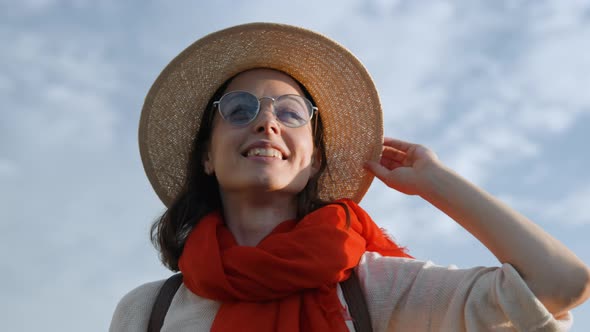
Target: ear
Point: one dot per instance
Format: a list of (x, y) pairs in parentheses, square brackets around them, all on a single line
[(316, 161), (208, 164)]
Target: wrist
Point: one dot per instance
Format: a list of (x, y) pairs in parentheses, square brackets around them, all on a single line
[(434, 179)]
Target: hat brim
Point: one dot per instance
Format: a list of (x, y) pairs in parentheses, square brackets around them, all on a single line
[(340, 85)]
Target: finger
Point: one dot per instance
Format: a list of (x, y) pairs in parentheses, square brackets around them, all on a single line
[(392, 153), (390, 164), (397, 143), (377, 169)]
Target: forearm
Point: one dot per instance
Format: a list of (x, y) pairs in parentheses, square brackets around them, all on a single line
[(555, 275)]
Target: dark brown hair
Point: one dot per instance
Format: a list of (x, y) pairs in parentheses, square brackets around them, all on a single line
[(200, 194)]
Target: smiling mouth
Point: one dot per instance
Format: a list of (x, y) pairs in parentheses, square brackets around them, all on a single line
[(264, 152)]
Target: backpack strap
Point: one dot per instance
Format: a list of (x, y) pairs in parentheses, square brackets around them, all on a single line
[(353, 294), (163, 301), (351, 288)]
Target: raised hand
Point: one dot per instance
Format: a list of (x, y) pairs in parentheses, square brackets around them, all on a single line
[(404, 166), (542, 261)]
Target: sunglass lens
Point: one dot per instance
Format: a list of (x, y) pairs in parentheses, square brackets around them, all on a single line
[(238, 108)]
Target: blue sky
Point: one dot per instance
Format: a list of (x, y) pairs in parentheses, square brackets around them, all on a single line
[(497, 88)]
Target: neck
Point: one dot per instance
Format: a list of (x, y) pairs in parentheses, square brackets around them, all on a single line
[(251, 218)]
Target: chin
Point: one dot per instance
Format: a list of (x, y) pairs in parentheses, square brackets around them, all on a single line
[(271, 185), (265, 183)]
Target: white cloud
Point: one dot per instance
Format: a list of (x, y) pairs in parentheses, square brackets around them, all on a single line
[(500, 99), (565, 209), (70, 116), (6, 85), (572, 209), (39, 58), (545, 118), (483, 139), (61, 93), (36, 5), (39, 6), (8, 168), (409, 219), (402, 54)]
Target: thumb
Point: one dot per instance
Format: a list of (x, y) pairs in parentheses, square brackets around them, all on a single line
[(377, 169)]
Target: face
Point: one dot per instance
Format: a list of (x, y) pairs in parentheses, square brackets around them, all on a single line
[(265, 155)]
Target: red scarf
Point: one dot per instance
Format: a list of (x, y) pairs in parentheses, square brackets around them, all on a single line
[(288, 281)]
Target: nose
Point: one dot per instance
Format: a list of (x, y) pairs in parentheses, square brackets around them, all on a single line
[(266, 121)]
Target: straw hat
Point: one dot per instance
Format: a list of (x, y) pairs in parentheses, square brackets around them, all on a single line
[(340, 85)]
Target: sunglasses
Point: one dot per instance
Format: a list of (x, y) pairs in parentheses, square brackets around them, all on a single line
[(239, 108)]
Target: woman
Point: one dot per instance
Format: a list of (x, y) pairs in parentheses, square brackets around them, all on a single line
[(260, 139)]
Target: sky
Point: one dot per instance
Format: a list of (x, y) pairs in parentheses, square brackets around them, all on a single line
[(498, 89)]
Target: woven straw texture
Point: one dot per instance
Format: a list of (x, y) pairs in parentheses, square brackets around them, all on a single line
[(339, 84)]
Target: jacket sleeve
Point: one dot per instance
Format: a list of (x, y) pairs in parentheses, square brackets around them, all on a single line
[(410, 295), (133, 311)]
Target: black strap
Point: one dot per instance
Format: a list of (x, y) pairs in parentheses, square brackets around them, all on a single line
[(351, 288), (353, 294), (163, 301)]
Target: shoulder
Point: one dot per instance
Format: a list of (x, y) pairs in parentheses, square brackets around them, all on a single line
[(133, 310), (378, 271)]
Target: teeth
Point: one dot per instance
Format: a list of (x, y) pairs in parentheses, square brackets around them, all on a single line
[(263, 152)]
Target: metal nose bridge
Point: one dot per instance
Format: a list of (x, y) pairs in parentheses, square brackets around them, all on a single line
[(272, 103), (272, 100)]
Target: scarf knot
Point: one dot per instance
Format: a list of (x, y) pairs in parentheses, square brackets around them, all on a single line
[(288, 281)]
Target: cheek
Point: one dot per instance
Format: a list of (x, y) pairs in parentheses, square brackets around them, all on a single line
[(218, 145), (306, 150), (309, 143)]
